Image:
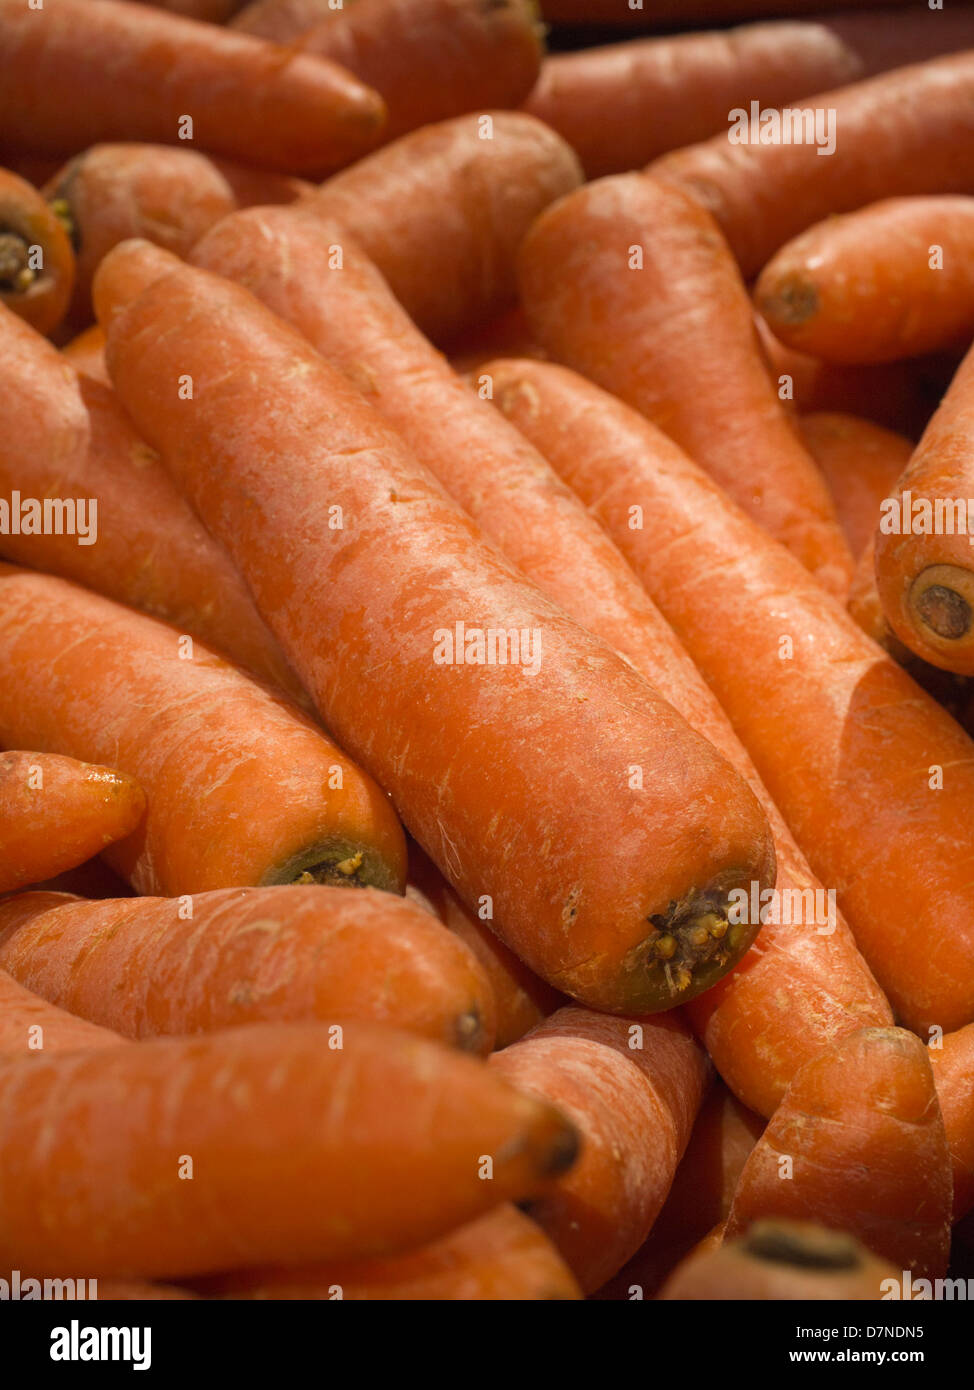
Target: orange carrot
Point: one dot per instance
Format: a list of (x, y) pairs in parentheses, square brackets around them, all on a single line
[(783, 1261), (132, 1290), (37, 266), (632, 1088), (55, 813), (764, 194), (861, 1138), (311, 1141), (86, 353), (29, 1026), (442, 212), (211, 11), (281, 20), (242, 788), (924, 571), (849, 748), (893, 280), (124, 72), (521, 998), (501, 1256), (952, 1058), (682, 12), (66, 438), (630, 282), (588, 887), (623, 104), (861, 463), (284, 955)]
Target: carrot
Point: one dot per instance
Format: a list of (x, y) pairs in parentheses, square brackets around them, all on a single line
[(123, 72), (952, 1058), (784, 1261), (861, 463), (442, 212), (861, 1136), (520, 997), (86, 353), (29, 1026), (621, 105), (632, 1088), (589, 884), (281, 20), (428, 59), (630, 282), (55, 813), (211, 11), (311, 1141), (890, 281), (849, 748), (167, 195), (683, 12), (242, 788), (135, 1291), (250, 956), (115, 521), (764, 194), (500, 1256), (924, 572), (37, 266)]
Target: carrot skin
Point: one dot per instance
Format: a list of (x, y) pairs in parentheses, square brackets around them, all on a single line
[(589, 859), (861, 463), (37, 264), (242, 788), (248, 100), (287, 955), (952, 1059), (629, 282), (86, 353), (30, 1026), (313, 1142)]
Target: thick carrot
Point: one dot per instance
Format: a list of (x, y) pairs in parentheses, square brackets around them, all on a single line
[(632, 1088), (37, 265), (621, 105), (861, 1137), (902, 133), (310, 1142), (952, 1058), (68, 446), (86, 353), (351, 317), (630, 282), (125, 72), (285, 955), (55, 813), (850, 749), (593, 881), (29, 1026), (442, 212), (520, 997), (861, 463), (501, 1256), (924, 570), (890, 281), (165, 194), (784, 1261), (242, 788)]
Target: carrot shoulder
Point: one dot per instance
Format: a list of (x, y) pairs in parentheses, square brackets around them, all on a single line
[(37, 264)]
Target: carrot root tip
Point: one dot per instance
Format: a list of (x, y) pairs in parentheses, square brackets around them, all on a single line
[(469, 1031)]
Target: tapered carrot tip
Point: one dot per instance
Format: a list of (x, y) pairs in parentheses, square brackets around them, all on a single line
[(782, 1260), (128, 269), (941, 603)]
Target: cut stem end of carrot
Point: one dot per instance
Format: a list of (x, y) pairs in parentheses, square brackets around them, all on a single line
[(802, 1245), (337, 864), (16, 273), (941, 600)]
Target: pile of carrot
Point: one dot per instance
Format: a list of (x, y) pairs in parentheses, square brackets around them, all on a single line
[(486, 639)]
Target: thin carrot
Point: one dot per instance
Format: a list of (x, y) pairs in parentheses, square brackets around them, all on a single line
[(632, 1088), (784, 1261), (29, 1026), (442, 212), (630, 282), (861, 463), (521, 998), (285, 955), (764, 194), (503, 1255), (86, 353), (242, 788), (952, 1059), (125, 72), (310, 1141), (861, 1137), (587, 888), (165, 194), (621, 105), (849, 748), (37, 265), (924, 571), (55, 813), (116, 522)]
